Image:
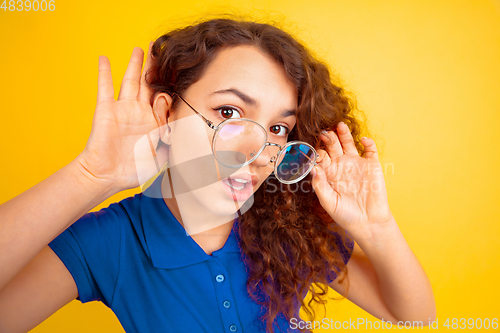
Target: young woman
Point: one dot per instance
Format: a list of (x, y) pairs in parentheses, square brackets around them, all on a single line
[(266, 184)]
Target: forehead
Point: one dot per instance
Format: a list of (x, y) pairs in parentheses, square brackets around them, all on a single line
[(248, 69)]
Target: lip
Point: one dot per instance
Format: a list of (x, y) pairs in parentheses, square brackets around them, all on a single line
[(246, 176), (240, 195)]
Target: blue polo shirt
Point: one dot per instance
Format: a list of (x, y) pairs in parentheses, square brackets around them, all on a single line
[(135, 257)]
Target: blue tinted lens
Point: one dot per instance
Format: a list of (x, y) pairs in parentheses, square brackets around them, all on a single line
[(297, 159)]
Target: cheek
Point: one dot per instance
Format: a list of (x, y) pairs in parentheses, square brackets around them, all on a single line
[(189, 139), (210, 135), (263, 177)]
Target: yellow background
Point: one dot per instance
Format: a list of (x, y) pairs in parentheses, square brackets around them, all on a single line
[(427, 74)]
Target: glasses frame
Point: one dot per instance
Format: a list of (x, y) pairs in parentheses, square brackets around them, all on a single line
[(281, 150)]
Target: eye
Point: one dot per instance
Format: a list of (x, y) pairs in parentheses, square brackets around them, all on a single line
[(228, 112), (279, 130)]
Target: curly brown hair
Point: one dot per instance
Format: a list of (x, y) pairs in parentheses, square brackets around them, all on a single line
[(287, 239)]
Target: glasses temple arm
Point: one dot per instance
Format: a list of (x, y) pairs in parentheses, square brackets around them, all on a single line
[(208, 122)]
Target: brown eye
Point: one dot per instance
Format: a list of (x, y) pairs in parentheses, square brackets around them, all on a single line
[(279, 130), (227, 113)]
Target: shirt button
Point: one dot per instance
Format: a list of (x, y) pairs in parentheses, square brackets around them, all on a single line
[(219, 278), (233, 328), (226, 304)]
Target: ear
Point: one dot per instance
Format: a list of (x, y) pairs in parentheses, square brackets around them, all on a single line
[(161, 110)]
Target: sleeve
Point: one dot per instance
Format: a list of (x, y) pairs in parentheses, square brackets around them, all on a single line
[(345, 252), (90, 250)]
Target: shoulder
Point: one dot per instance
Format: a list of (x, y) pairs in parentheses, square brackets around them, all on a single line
[(107, 224), (128, 209), (91, 247)]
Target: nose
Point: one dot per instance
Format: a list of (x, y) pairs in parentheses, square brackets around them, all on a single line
[(265, 157)]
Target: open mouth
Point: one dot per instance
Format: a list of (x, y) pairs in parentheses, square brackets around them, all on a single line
[(239, 187), (236, 183)]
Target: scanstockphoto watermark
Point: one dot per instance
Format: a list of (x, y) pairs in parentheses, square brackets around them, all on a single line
[(355, 324), (346, 176), (364, 323)]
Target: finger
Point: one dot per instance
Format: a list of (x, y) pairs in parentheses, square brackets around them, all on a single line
[(327, 196), (370, 148), (333, 147), (145, 92), (105, 90), (346, 139), (132, 78), (323, 159)]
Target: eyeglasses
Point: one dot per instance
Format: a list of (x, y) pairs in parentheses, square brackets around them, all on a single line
[(238, 142)]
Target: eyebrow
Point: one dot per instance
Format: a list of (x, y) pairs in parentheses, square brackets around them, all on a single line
[(244, 97), (250, 101), (288, 113)]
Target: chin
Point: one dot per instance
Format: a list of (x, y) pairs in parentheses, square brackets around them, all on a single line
[(222, 201), (208, 208)]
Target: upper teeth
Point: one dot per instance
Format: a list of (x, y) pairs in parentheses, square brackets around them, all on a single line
[(244, 181), (239, 180)]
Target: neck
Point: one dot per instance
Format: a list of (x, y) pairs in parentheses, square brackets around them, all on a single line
[(193, 216), (208, 239)]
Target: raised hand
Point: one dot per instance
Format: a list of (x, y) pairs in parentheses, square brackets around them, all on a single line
[(118, 125), (349, 187)]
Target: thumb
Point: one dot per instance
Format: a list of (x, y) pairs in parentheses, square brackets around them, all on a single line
[(328, 198), (162, 153), (150, 154), (165, 134)]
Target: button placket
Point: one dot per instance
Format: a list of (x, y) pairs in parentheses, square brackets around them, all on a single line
[(224, 296)]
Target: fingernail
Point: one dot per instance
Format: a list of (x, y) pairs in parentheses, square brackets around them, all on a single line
[(313, 171), (342, 123), (325, 133)]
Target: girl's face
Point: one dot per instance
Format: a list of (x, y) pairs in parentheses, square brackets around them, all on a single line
[(241, 82)]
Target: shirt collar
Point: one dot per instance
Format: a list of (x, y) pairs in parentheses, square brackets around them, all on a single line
[(169, 245)]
